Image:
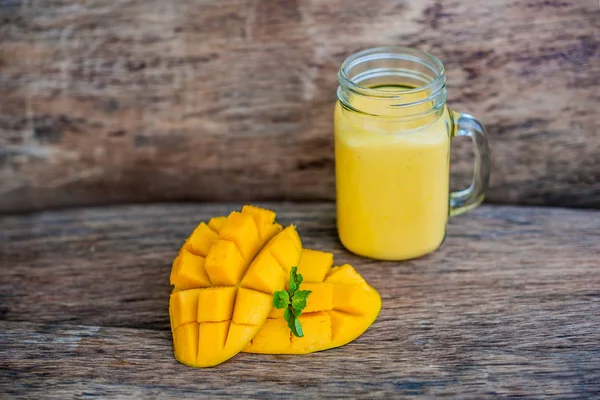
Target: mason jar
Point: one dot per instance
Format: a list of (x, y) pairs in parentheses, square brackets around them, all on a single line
[(392, 154)]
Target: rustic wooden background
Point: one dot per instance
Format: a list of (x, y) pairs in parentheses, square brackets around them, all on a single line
[(105, 101)]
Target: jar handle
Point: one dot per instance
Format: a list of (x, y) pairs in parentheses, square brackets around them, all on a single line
[(469, 198)]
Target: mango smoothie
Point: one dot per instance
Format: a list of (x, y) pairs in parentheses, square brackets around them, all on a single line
[(392, 180)]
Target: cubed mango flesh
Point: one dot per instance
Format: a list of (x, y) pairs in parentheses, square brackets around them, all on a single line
[(183, 307), (216, 223), (211, 340), (314, 265), (188, 271), (265, 221), (224, 279), (339, 309), (317, 333), (251, 307), (185, 343), (215, 311), (286, 248), (274, 334), (241, 230), (321, 297), (215, 304), (201, 240), (224, 264), (265, 274)]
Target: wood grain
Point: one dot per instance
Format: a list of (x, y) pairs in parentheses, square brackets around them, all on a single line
[(124, 101), (507, 307)]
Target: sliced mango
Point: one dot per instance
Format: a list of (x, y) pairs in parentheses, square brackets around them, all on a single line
[(343, 326), (239, 336), (241, 230), (215, 304), (185, 343), (252, 307), (201, 240), (264, 274), (215, 309), (314, 265), (211, 337), (188, 271), (265, 221), (319, 326), (216, 223), (276, 313), (345, 274), (184, 307), (224, 264), (224, 279), (274, 334), (321, 298), (286, 248), (353, 298), (339, 309)]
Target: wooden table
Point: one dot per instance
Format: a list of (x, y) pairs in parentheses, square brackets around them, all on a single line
[(509, 306)]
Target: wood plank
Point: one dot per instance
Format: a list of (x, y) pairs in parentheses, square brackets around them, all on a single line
[(65, 266), (506, 307), (63, 361), (104, 102)]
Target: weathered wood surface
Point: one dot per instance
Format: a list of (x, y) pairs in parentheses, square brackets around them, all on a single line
[(508, 306), (114, 101)]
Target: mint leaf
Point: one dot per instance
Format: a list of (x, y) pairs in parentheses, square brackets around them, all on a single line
[(288, 314), (295, 280), (294, 301), (298, 328), (299, 300), (281, 299)]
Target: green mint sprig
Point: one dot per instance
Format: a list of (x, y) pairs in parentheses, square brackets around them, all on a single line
[(293, 300)]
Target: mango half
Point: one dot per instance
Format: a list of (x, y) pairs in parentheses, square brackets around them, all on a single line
[(223, 282), (224, 278)]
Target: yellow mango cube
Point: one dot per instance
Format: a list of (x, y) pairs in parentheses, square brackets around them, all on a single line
[(224, 264), (314, 265), (185, 343), (239, 337), (216, 223), (344, 326), (216, 304), (251, 307), (351, 298), (276, 313), (183, 307), (188, 271), (241, 230), (201, 240), (346, 274), (321, 298), (265, 274), (265, 221), (286, 248), (317, 332), (274, 334), (211, 340)]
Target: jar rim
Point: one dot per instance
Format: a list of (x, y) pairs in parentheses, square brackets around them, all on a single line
[(390, 52)]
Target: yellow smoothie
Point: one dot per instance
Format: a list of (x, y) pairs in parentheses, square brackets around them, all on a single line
[(392, 181)]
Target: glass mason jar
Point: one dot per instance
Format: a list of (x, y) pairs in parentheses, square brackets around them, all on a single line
[(392, 154)]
